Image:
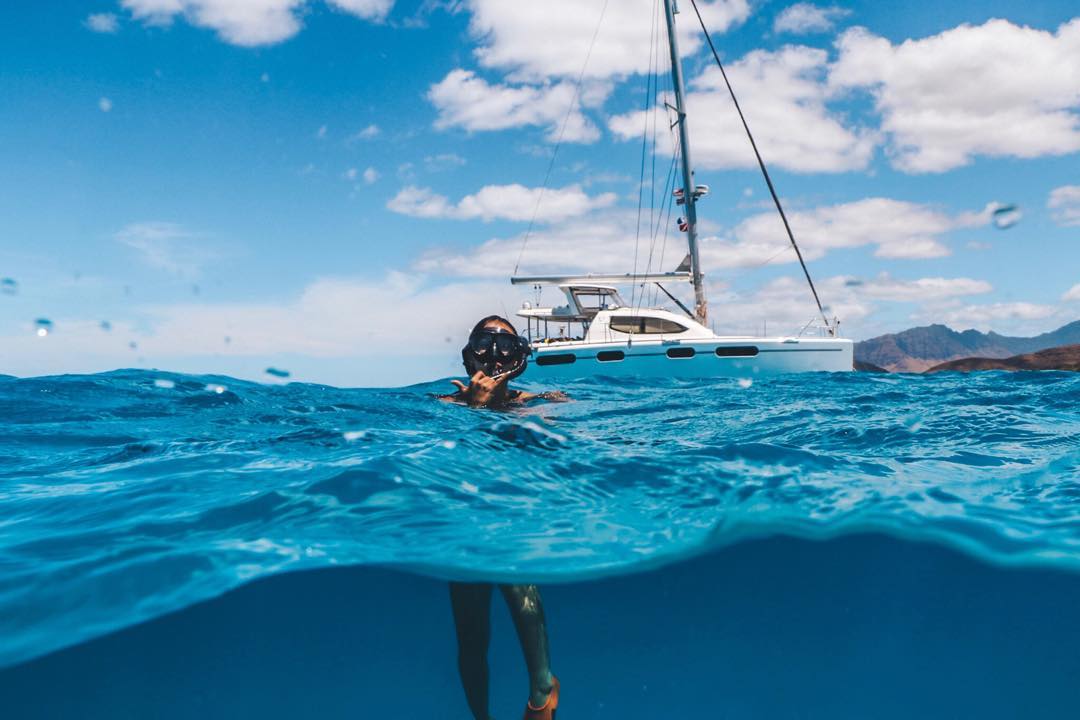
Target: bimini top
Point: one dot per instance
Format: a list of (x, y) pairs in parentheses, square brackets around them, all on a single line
[(605, 279)]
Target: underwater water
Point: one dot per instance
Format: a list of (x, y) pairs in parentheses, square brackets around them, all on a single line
[(850, 545)]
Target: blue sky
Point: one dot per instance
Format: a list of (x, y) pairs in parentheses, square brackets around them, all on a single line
[(338, 187)]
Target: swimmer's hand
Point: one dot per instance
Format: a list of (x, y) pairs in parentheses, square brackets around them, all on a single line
[(482, 390)]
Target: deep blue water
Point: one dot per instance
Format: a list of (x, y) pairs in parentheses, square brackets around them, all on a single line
[(704, 547)]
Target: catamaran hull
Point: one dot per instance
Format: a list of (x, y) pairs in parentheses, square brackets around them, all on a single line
[(737, 358)]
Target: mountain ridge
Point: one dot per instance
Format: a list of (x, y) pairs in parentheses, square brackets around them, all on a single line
[(921, 348)]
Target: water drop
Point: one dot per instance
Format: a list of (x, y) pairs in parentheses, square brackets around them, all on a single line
[(44, 326), (105, 325), (133, 345), (1006, 216)]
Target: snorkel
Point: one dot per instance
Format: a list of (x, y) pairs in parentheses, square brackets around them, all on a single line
[(496, 351)]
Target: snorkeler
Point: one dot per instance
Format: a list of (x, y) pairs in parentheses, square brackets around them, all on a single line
[(494, 355)]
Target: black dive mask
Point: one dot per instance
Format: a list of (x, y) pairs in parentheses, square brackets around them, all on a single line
[(496, 352)]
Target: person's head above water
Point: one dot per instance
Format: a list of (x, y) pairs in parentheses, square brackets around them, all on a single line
[(495, 349)]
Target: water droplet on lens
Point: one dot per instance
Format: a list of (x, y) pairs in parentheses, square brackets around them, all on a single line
[(1006, 216), (44, 326), (105, 325), (133, 345)]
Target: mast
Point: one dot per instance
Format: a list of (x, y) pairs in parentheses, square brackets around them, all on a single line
[(700, 304)]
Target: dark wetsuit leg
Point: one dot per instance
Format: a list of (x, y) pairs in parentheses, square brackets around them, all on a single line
[(471, 603), (527, 610)]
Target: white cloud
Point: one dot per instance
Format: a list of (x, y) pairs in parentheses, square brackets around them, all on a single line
[(784, 95), (995, 89), (247, 23), (995, 316), (351, 174), (106, 23), (885, 287), (501, 202), (1072, 294), (1065, 202), (367, 9), (602, 243), (368, 133), (317, 334), (898, 229), (605, 241), (467, 101), (105, 104), (166, 246), (805, 18), (538, 40), (371, 175)]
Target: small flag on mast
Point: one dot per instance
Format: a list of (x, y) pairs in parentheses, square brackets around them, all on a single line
[(683, 225)]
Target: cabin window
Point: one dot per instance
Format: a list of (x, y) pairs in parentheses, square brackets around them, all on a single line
[(681, 352), (610, 355), (737, 351), (559, 359), (636, 324)]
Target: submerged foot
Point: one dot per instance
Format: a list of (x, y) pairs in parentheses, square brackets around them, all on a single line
[(544, 708)]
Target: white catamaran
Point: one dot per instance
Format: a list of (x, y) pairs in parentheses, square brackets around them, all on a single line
[(597, 333)]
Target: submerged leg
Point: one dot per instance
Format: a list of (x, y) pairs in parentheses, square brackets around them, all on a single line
[(527, 611), (471, 603)]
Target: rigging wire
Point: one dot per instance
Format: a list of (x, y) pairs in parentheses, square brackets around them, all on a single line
[(562, 131), (649, 76), (764, 171)]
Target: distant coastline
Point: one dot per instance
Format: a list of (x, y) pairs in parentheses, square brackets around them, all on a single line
[(937, 348), (1059, 358)]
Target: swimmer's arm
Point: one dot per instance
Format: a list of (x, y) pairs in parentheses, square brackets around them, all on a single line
[(549, 395)]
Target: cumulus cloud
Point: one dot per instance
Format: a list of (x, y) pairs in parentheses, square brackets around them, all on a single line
[(605, 241), (805, 18), (784, 95), (105, 104), (994, 316), (371, 176), (467, 101), (249, 23), (996, 89), (1065, 204), (539, 40), (106, 23), (899, 230), (501, 202), (885, 287), (1072, 294), (167, 247), (367, 9)]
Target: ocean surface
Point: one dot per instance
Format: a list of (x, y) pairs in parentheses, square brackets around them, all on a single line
[(804, 530)]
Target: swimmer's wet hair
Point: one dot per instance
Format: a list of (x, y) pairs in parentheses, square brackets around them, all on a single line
[(479, 326)]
